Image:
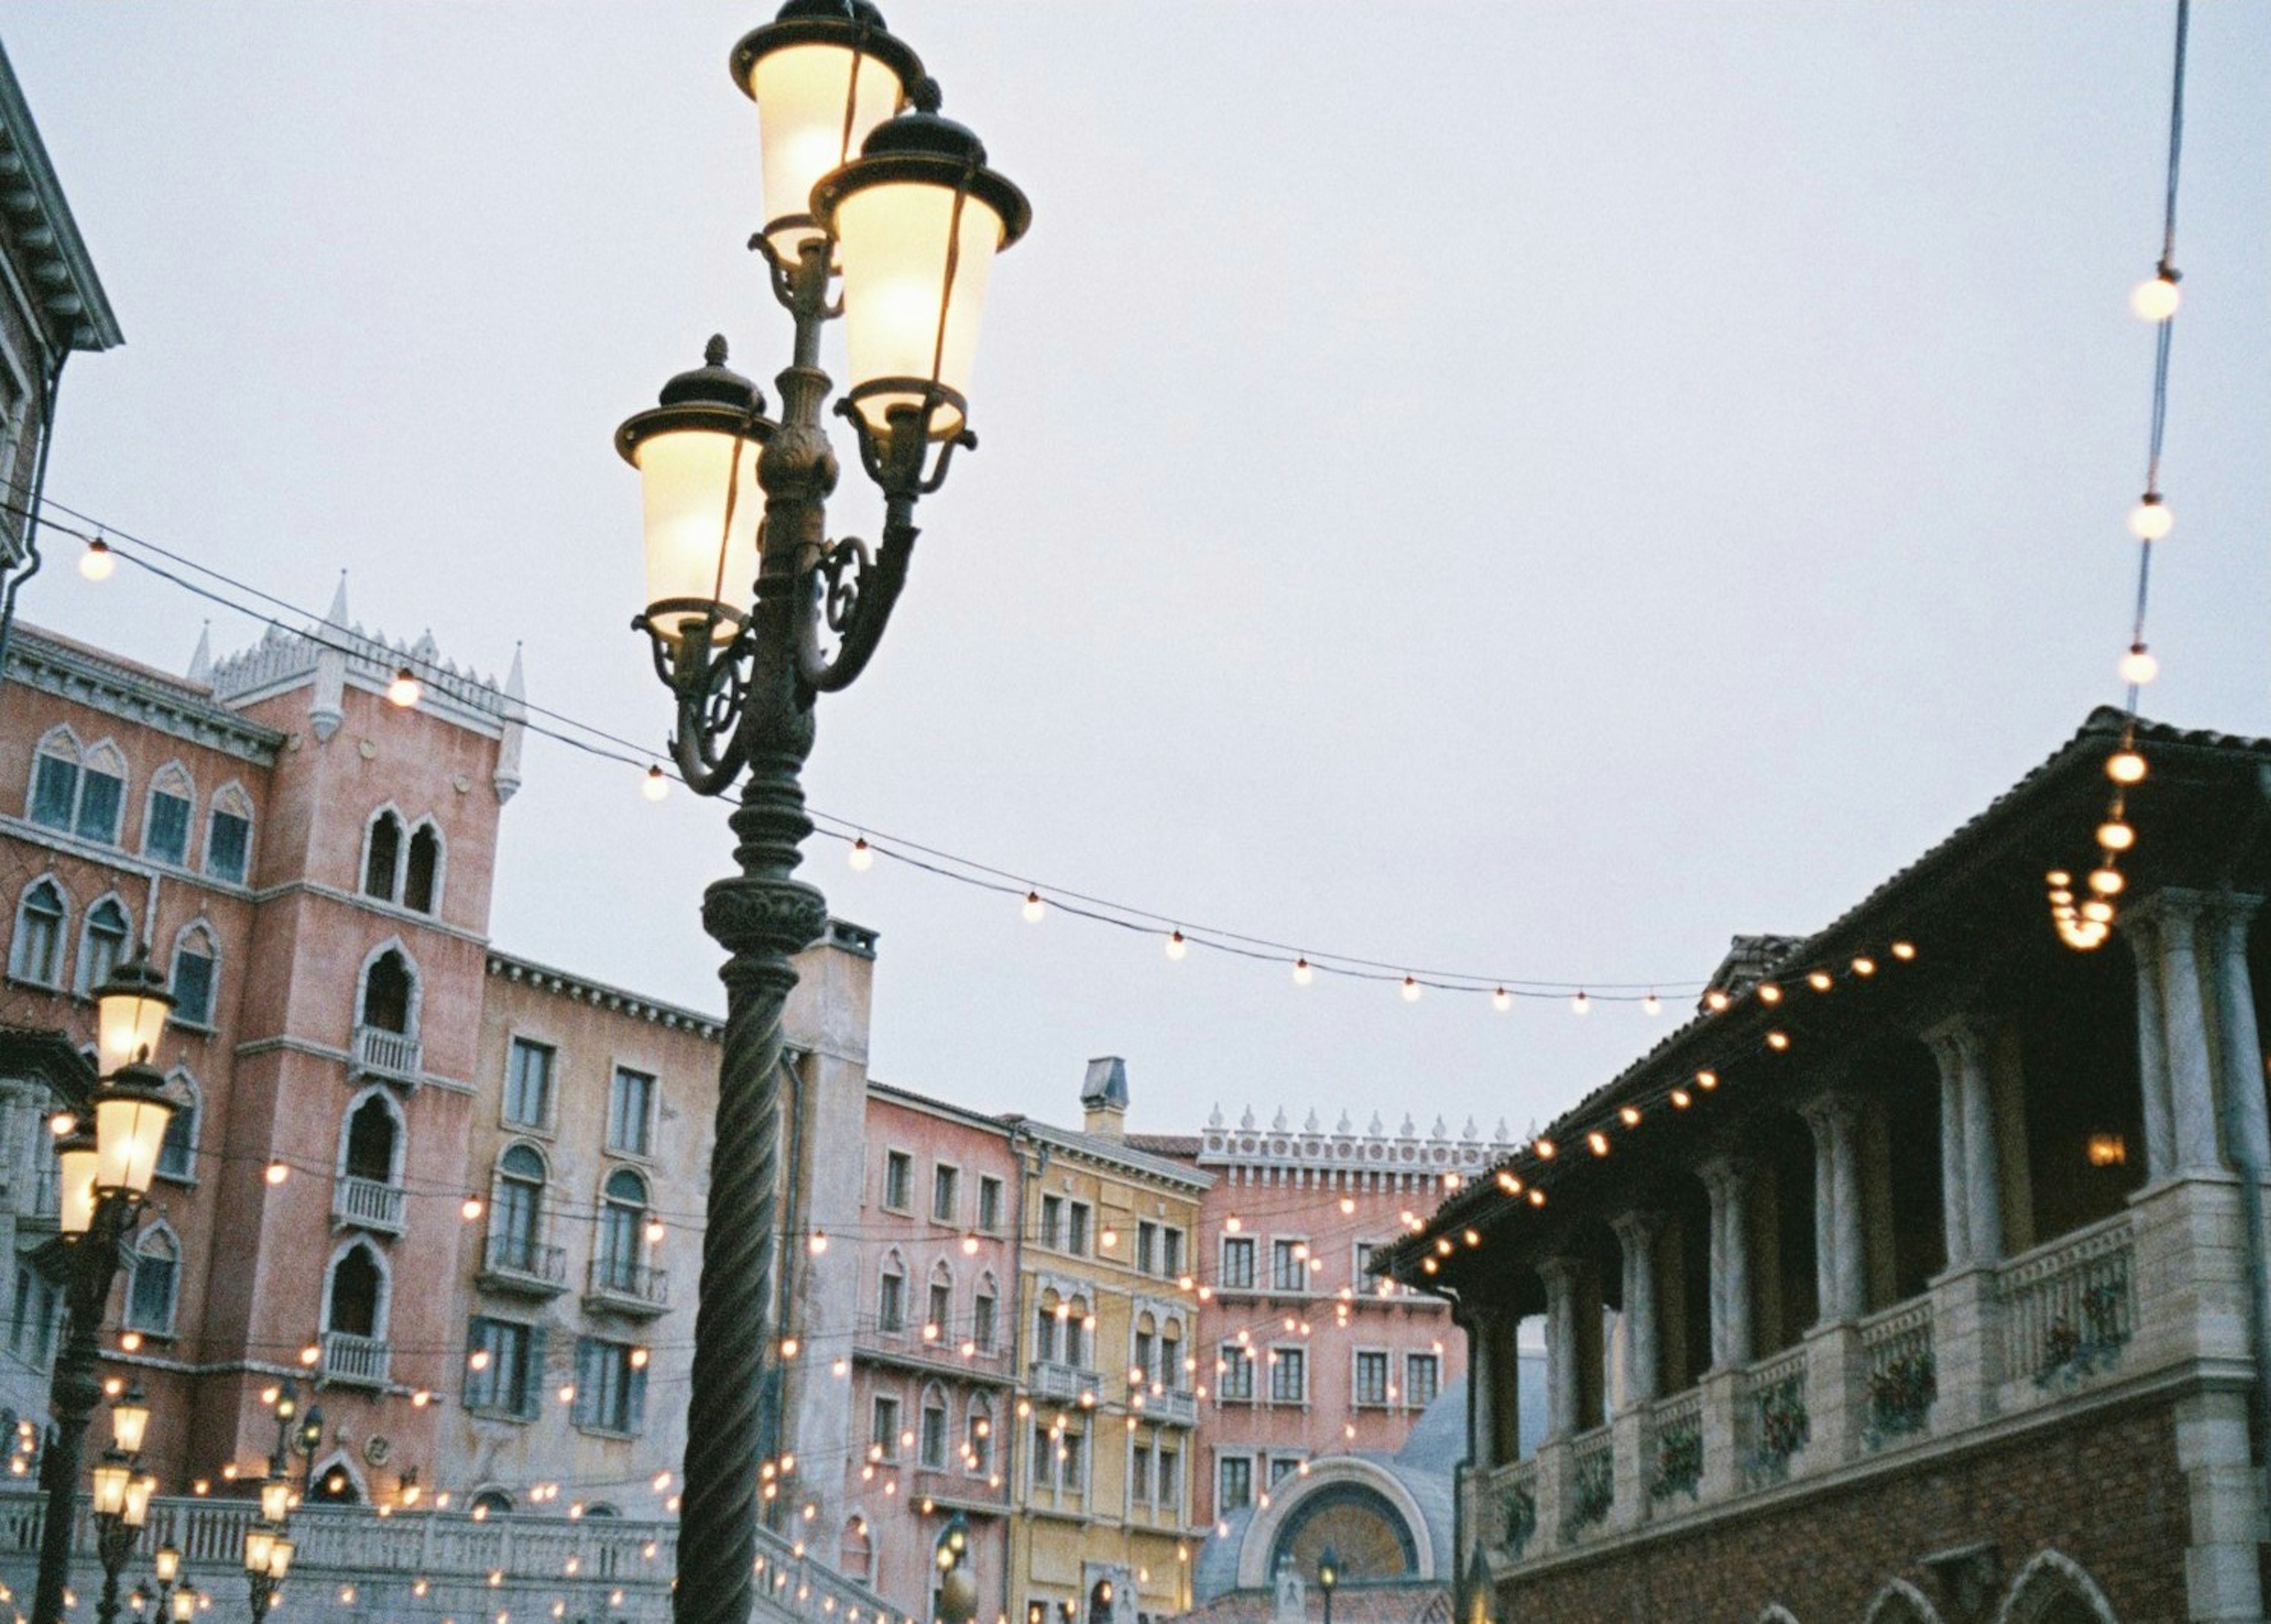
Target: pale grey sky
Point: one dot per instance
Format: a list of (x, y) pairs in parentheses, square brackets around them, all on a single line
[(1535, 489)]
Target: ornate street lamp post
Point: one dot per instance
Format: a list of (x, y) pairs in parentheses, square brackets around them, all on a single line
[(957, 1587), (267, 1543), (1329, 1578), (122, 1497), (105, 1177), (753, 612)]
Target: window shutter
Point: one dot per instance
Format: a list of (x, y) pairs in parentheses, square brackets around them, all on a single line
[(477, 1382), (637, 1402), (531, 1390)]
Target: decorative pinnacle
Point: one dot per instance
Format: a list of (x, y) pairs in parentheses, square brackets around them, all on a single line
[(713, 353), (927, 95)]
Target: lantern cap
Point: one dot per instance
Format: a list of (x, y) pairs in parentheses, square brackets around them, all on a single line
[(855, 24), (138, 978), (925, 147), (711, 396), (136, 1082)]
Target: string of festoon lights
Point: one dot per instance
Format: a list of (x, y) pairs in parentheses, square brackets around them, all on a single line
[(2084, 914), (107, 545)]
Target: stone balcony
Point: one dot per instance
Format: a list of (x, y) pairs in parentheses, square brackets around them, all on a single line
[(1168, 1406), (367, 1203), (393, 1055), (354, 1361), (527, 1268), (2062, 1326), (1063, 1383), (611, 1286)]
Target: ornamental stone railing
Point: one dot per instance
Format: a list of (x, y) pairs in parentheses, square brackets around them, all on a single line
[(1900, 1372), (1064, 1383), (354, 1565), (1170, 1405), (368, 1203), (1515, 1528), (2068, 1308), (1589, 1488), (356, 1361), (384, 1053), (1773, 1416), (1673, 1464)]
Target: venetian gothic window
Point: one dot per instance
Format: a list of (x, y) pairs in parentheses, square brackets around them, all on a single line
[(153, 1281), (41, 918), (228, 836), (166, 820), (103, 942), (388, 993), (196, 972), (177, 1153), (356, 1296)]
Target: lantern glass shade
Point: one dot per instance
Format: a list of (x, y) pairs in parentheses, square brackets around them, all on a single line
[(130, 1420), (803, 94), (130, 1130), (166, 1562), (280, 1557), (695, 550), (276, 1499), (130, 1017), (110, 1478), (906, 321), (139, 1491), (75, 1185), (258, 1542), (185, 1605)]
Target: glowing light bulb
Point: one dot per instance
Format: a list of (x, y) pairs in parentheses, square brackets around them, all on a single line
[(1777, 1041), (1819, 981), (790, 1347), (657, 783), (2155, 298), (2138, 667), (1231, 1226), (405, 690), (817, 1242), (2106, 881), (1905, 950), (1581, 1004), (1629, 1116), (1544, 1148), (1176, 946), (2126, 767), (1536, 1196), (470, 1208), (97, 563), (2098, 913), (1302, 973), (1652, 1004), (2151, 520), (278, 1172), (1714, 1001), (1348, 1206), (654, 1232), (1865, 966), (1410, 990), (1682, 1099), (2116, 835), (1035, 909), (1769, 992), (1599, 1142), (970, 1245), (1707, 1080)]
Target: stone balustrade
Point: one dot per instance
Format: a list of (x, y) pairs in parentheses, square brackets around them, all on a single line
[(368, 1203), (384, 1053), (2057, 1324)]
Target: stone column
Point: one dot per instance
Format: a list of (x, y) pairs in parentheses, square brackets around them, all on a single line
[(2151, 1046), (1636, 1234), (1480, 1326), (2175, 918), (1960, 1046), (1839, 1271), (1505, 1384), (1728, 1179), (1564, 1385), (2241, 1045)]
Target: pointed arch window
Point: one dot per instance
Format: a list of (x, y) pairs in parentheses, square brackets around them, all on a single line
[(153, 1282), (421, 875), (373, 1141), (178, 1154), (382, 857), (387, 988), (938, 1312), (228, 836), (55, 780), (41, 918), (195, 973), (931, 1440), (984, 1313), (519, 1209), (978, 1444), (355, 1302), (856, 1553), (101, 795), (622, 1219), (103, 941), (165, 824), (891, 1296)]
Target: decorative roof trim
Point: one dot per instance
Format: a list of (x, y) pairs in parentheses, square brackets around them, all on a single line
[(74, 312), (52, 665), (615, 1000)]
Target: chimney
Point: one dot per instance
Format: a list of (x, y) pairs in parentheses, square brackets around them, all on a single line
[(1104, 1097)]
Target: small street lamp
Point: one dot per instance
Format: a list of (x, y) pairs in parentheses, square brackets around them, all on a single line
[(754, 611), (267, 1543), (958, 1586), (105, 1171), (1329, 1578), (122, 1497), (267, 1559)]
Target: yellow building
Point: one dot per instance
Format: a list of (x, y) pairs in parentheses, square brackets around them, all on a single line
[(1102, 1455)]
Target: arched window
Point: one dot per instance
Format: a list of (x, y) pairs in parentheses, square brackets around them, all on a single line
[(422, 879), (1146, 1351), (519, 1209), (354, 1297), (195, 973), (381, 859), (55, 780), (493, 1503), (228, 836), (335, 1484), (178, 1154), (930, 1441), (152, 1282), (985, 1314), (1075, 1331), (856, 1557), (168, 819), (101, 795), (41, 917), (387, 992), (1049, 1325), (623, 1216), (938, 1311), (1171, 1369), (373, 1146), (891, 1295), (102, 944), (978, 1439)]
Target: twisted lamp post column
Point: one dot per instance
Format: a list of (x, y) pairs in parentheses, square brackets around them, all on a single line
[(901, 203)]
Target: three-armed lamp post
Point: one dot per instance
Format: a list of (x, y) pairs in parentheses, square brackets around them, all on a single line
[(1329, 1578), (958, 1586), (753, 612), (105, 1177), (122, 1496)]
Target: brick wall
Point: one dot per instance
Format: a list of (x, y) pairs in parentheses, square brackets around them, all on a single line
[(2104, 1490)]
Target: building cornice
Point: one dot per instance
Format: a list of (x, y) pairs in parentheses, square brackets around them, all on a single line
[(544, 977), (74, 312), (1115, 1157), (50, 666)]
